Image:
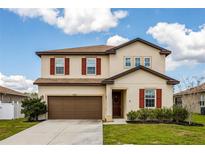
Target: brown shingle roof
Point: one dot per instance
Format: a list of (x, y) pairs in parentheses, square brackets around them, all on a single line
[(95, 82), (98, 49), (62, 82), (197, 89), (4, 90), (169, 80)]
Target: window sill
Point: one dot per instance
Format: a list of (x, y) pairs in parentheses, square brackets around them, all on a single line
[(150, 107), (91, 75)]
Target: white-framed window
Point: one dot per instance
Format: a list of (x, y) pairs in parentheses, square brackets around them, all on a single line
[(137, 61), (147, 61), (150, 98), (59, 64), (91, 66), (127, 62), (202, 100)]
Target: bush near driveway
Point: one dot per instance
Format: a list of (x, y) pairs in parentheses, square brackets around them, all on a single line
[(32, 108)]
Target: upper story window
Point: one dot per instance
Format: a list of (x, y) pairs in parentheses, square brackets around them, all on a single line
[(147, 62), (149, 98), (137, 61), (59, 63), (127, 62), (91, 66)]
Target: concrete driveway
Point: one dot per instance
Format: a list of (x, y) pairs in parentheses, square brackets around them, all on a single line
[(79, 132)]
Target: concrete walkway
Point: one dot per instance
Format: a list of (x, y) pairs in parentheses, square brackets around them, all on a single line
[(79, 132)]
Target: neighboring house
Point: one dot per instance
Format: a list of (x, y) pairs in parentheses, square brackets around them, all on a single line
[(104, 82), (10, 103), (193, 98)]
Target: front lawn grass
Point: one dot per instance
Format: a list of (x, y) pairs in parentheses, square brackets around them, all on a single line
[(155, 133), (199, 118), (11, 127)]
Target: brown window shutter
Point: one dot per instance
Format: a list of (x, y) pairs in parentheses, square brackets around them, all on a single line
[(83, 66), (159, 98), (141, 98), (67, 66), (98, 67), (52, 66)]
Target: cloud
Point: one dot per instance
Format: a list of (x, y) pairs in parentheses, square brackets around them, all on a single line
[(74, 21), (17, 82), (116, 40), (188, 46), (47, 15)]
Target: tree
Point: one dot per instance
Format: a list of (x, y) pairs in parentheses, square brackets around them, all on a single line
[(189, 93), (32, 108), (31, 95)]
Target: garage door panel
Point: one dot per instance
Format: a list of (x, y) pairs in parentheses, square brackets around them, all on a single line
[(75, 107)]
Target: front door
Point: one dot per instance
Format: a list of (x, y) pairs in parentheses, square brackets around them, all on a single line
[(116, 104)]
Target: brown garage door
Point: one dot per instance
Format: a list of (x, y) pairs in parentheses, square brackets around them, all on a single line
[(75, 107)]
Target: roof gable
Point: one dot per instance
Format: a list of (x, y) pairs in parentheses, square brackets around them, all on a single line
[(111, 79), (161, 50)]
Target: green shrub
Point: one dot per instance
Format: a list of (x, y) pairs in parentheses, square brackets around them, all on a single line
[(32, 108), (132, 115), (159, 114), (143, 114), (164, 114), (151, 114), (167, 114), (179, 113)]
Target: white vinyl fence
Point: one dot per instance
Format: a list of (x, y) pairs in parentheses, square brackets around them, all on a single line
[(10, 110)]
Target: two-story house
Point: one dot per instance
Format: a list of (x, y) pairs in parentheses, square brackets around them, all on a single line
[(104, 82)]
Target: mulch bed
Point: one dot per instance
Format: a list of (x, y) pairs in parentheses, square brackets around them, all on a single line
[(184, 123)]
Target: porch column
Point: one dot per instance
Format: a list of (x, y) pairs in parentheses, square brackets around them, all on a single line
[(108, 115)]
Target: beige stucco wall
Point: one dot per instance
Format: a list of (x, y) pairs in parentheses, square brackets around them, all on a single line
[(75, 67), (191, 102), (136, 49), (132, 83), (46, 91), (110, 64)]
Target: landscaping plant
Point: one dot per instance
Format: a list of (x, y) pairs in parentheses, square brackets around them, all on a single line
[(151, 114), (143, 114), (164, 114), (132, 115), (177, 114), (180, 113), (32, 108)]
